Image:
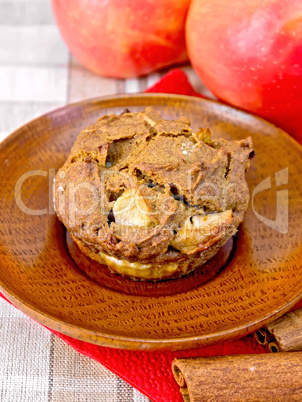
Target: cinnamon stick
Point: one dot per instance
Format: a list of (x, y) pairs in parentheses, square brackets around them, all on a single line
[(263, 336), (287, 331), (273, 347), (284, 334), (266, 377)]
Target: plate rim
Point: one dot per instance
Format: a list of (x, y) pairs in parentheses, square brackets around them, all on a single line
[(146, 95), (108, 340)]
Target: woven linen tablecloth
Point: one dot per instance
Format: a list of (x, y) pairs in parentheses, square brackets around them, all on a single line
[(38, 74)]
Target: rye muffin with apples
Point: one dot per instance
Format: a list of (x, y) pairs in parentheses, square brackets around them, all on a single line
[(150, 198)]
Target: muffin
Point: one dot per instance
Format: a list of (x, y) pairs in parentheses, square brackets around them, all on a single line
[(150, 198)]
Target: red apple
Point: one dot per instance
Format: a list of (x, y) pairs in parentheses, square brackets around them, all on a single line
[(249, 53), (123, 38)]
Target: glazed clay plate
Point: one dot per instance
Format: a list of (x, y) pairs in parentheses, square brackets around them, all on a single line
[(261, 280)]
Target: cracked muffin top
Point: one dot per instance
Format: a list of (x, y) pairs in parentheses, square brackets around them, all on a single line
[(139, 188)]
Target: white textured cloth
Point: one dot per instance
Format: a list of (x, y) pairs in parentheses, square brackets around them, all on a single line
[(38, 74), (38, 366)]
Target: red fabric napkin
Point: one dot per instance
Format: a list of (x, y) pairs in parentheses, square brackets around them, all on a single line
[(150, 372), (175, 82)]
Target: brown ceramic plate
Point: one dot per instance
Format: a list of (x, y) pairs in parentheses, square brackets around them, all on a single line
[(261, 281)]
